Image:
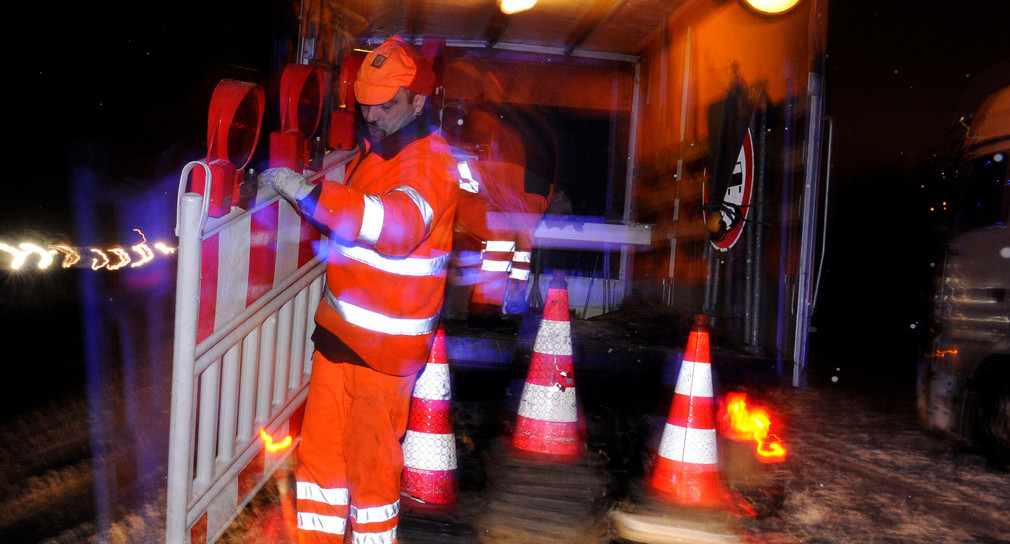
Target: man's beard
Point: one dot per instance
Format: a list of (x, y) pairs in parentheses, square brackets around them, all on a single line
[(374, 133)]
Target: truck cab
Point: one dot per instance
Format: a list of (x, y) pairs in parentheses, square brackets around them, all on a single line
[(964, 379)]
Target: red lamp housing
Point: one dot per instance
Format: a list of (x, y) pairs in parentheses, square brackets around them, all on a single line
[(233, 129), (302, 90)]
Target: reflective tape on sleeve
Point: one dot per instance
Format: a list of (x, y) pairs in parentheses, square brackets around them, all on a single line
[(466, 180), (492, 265), (371, 220), (422, 205), (521, 274), (500, 246), (521, 256)]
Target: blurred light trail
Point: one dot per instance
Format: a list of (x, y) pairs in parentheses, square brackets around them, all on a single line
[(25, 250), (268, 441), (745, 423), (113, 258)]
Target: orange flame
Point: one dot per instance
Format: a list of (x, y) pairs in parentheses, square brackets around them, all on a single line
[(745, 423), (268, 441)]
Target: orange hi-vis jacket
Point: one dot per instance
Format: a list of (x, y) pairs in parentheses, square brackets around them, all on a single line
[(390, 226), (501, 216)]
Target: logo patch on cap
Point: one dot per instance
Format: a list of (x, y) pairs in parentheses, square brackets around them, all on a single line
[(377, 62)]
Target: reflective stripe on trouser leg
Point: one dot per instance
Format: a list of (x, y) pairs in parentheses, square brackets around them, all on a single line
[(322, 496), (376, 421)]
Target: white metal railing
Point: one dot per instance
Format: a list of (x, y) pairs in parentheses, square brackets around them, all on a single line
[(250, 373)]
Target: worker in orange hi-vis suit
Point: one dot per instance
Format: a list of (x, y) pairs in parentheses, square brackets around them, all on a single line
[(503, 197), (389, 225)]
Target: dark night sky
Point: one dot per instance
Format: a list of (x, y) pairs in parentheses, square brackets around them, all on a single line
[(138, 76), (899, 76), (901, 73)]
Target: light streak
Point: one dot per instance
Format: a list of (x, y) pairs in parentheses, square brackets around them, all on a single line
[(145, 252), (26, 249), (95, 264), (745, 423), (70, 255), (268, 441), (124, 258), (112, 258)]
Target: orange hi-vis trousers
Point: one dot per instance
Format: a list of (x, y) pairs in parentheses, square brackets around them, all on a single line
[(350, 458)]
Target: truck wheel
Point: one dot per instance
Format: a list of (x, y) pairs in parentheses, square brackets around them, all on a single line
[(994, 423)]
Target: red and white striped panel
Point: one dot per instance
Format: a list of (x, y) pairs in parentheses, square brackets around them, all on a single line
[(248, 256), (264, 464)]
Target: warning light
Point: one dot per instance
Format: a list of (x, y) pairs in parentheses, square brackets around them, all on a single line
[(744, 423), (771, 7), (268, 442)]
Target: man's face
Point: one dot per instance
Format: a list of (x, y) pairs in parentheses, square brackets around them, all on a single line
[(385, 119)]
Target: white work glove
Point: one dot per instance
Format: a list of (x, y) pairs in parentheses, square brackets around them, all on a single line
[(288, 183)]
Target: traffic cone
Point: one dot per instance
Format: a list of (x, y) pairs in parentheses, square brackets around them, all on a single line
[(547, 420), (429, 446), (686, 469)]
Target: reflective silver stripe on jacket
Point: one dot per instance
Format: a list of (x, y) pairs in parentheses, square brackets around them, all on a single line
[(374, 215), (496, 266), (466, 180), (521, 274), (334, 525), (500, 246), (385, 537), (371, 220), (335, 496), (375, 514), (407, 266), (374, 321), (422, 205)]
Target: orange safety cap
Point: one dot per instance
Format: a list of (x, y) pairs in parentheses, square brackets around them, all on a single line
[(392, 65)]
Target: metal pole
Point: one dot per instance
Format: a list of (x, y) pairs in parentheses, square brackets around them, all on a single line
[(629, 175), (184, 354), (812, 162)]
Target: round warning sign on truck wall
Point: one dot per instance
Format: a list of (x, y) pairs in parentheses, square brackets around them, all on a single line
[(737, 198)]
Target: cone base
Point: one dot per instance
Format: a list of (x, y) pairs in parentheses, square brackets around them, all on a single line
[(429, 486), (409, 503), (722, 499), (547, 437)]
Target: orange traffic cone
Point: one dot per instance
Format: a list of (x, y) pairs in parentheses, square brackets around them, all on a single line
[(686, 469), (429, 447), (547, 420)]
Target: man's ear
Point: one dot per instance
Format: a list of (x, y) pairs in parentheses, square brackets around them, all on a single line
[(419, 100)]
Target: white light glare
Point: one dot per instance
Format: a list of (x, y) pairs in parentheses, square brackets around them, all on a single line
[(772, 7), (508, 7)]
